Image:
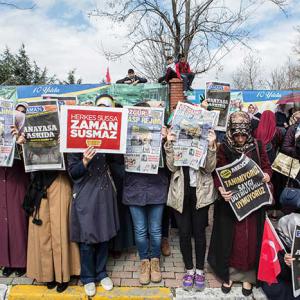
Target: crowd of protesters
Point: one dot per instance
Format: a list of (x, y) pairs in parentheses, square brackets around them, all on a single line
[(56, 224)]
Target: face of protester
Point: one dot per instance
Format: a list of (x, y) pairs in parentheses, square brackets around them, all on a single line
[(21, 109), (131, 75), (240, 139), (251, 109)]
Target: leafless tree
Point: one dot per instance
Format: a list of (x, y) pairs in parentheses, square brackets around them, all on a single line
[(248, 75), (204, 30), (16, 6), (285, 77)]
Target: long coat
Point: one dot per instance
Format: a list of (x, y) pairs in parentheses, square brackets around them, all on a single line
[(205, 191), (51, 255), (94, 213), (223, 233), (13, 221)]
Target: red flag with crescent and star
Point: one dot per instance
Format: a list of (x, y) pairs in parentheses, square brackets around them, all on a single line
[(269, 265)]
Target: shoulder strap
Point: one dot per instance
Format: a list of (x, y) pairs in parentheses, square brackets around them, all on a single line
[(289, 177)]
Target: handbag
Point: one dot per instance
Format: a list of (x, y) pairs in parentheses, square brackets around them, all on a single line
[(290, 196)]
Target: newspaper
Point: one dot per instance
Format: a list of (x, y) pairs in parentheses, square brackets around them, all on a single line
[(243, 178), (218, 98), (41, 151), (143, 152), (191, 124), (62, 100), (7, 141)]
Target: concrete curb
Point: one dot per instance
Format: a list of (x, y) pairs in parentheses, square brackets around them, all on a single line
[(31, 292)]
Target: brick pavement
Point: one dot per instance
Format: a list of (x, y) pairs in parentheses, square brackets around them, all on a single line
[(125, 270)]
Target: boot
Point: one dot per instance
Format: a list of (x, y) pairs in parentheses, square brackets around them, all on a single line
[(155, 270), (165, 247), (145, 271)]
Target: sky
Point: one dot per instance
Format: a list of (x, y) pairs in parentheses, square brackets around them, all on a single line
[(61, 36)]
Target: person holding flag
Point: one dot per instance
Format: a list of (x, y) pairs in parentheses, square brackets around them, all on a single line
[(275, 264)]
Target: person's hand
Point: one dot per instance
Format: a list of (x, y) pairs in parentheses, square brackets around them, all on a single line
[(226, 195), (204, 104), (266, 178), (21, 140), (288, 259), (135, 82), (211, 137), (285, 125), (164, 132), (88, 154), (128, 81), (171, 136), (14, 131)]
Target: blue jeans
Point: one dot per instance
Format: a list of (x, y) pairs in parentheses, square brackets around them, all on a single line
[(93, 258), (147, 229)]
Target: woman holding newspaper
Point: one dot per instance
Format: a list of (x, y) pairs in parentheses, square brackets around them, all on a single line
[(235, 245), (190, 194)]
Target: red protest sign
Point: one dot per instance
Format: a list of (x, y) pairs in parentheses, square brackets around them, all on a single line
[(103, 128)]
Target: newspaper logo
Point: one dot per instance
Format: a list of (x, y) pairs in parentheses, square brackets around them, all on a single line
[(297, 233), (35, 109), (225, 173)]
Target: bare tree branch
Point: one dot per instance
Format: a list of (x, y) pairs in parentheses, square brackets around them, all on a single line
[(15, 6)]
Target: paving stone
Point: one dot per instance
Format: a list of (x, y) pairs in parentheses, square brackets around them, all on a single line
[(3, 290), (22, 280), (121, 274), (5, 280), (130, 282)]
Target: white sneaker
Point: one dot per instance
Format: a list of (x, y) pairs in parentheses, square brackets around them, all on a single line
[(90, 289), (107, 284)]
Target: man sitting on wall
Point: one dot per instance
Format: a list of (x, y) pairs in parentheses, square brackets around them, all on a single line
[(131, 78)]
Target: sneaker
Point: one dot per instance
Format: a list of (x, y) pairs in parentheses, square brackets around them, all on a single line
[(199, 282), (187, 282), (155, 270), (145, 271), (90, 289), (107, 284), (165, 247)]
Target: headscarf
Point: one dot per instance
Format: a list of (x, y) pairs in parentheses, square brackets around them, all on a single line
[(286, 227), (19, 120), (266, 128), (24, 104), (239, 123), (295, 118)]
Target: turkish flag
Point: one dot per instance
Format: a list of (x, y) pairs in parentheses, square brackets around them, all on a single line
[(108, 80), (269, 266)]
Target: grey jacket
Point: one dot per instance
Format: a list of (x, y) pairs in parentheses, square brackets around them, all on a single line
[(205, 190)]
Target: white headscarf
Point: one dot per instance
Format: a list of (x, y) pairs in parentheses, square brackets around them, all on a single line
[(286, 228)]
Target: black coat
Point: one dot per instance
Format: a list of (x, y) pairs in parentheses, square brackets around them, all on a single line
[(94, 212)]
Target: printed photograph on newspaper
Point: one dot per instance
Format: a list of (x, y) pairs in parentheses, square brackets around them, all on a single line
[(191, 124), (7, 142), (42, 129), (143, 152)]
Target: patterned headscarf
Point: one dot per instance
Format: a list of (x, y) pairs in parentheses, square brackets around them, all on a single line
[(239, 124)]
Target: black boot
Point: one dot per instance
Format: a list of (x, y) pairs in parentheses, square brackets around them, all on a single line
[(61, 287), (7, 272), (51, 285), (20, 272)]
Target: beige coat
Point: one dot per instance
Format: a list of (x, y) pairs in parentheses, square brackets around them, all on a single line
[(51, 255), (205, 190)]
